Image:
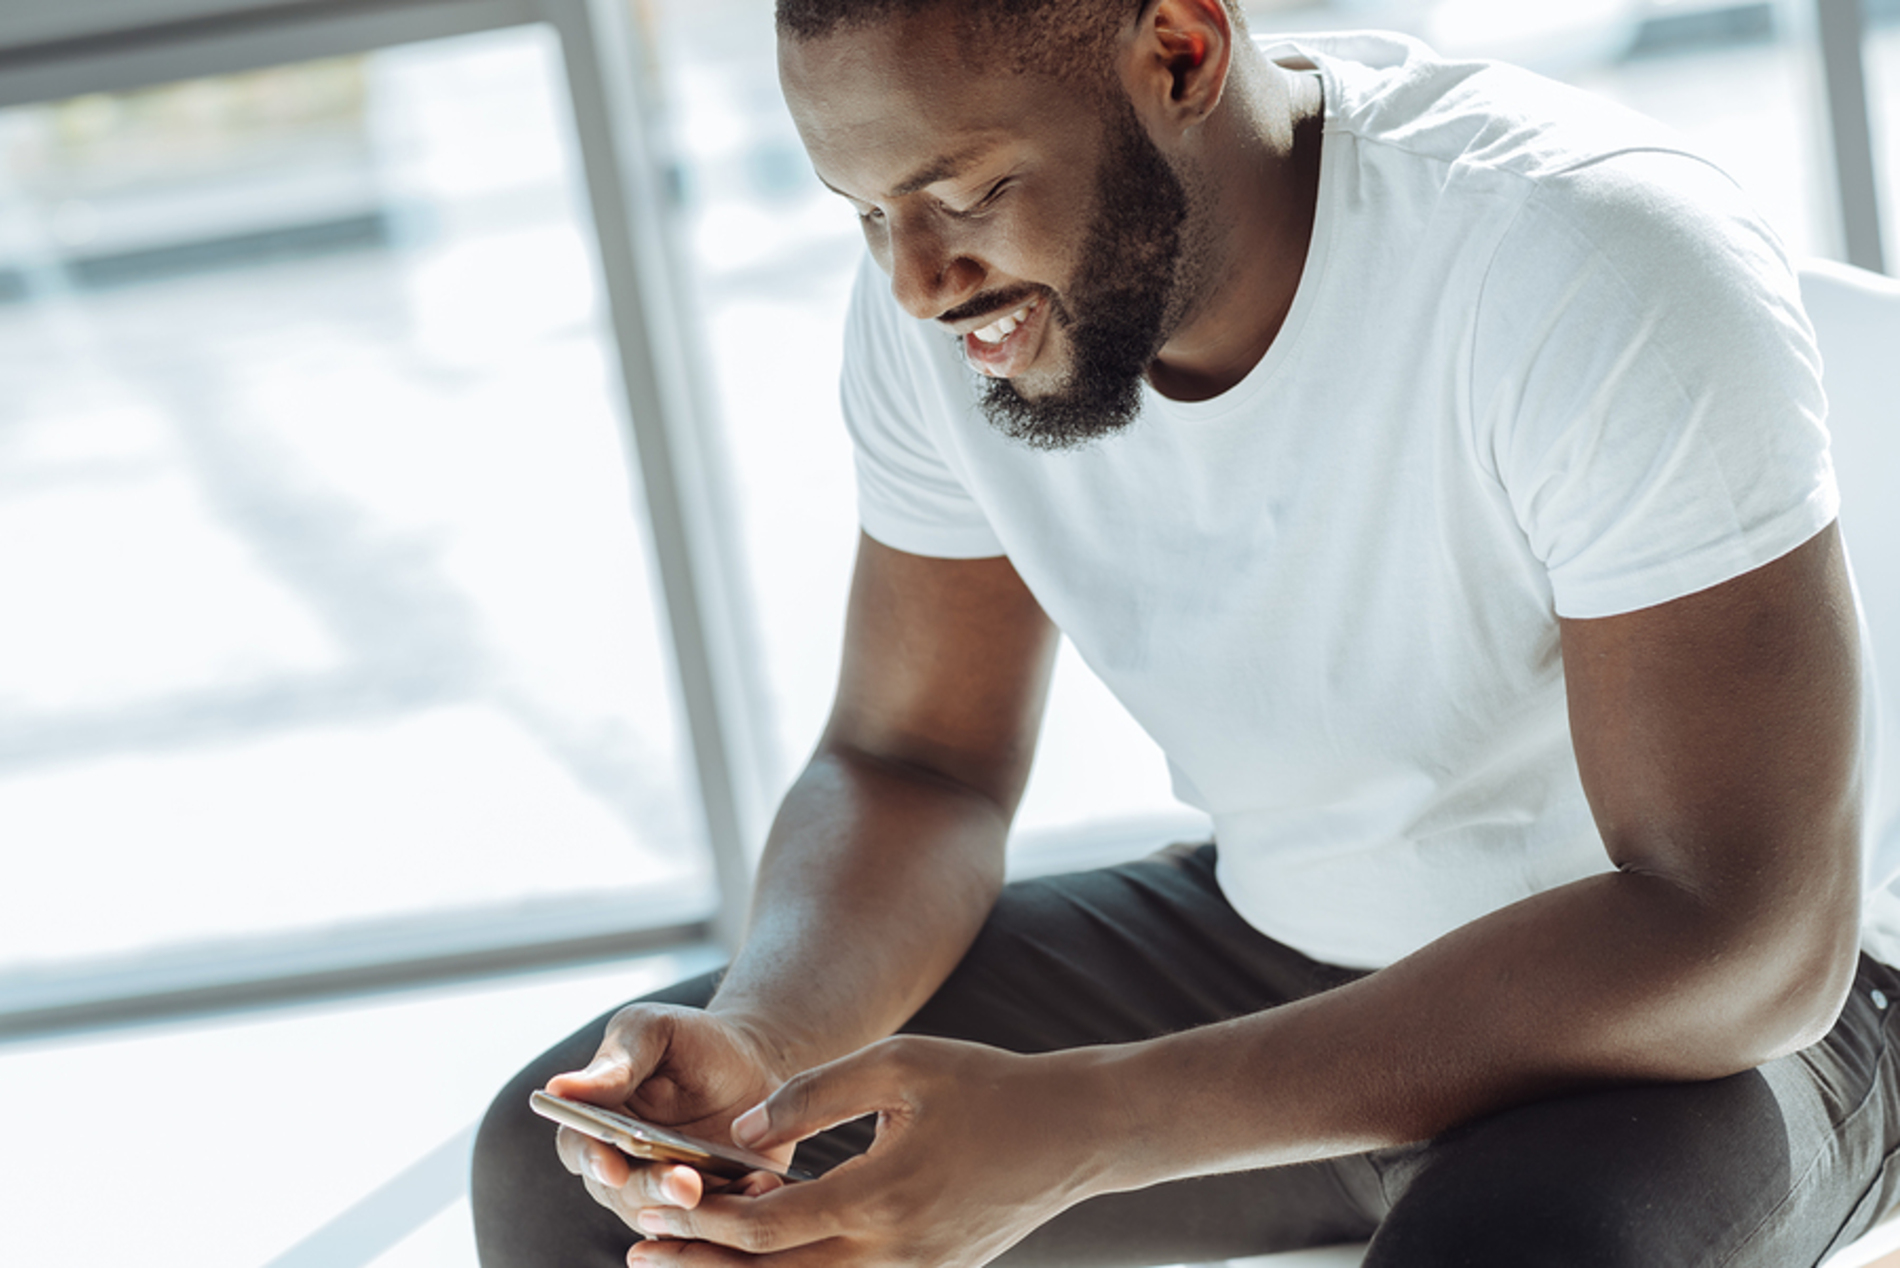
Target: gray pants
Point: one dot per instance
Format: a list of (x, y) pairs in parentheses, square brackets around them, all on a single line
[(1774, 1168)]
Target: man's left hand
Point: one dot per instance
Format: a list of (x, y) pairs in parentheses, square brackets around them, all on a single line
[(975, 1147)]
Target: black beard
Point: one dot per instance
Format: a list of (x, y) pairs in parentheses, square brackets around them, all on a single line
[(1125, 291)]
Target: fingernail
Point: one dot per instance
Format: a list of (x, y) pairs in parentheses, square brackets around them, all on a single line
[(595, 1167), (650, 1222), (673, 1187), (750, 1127)]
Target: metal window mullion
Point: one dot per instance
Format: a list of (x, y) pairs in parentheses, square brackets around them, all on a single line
[(1842, 37), (659, 368), (25, 23), (121, 61), (392, 953)]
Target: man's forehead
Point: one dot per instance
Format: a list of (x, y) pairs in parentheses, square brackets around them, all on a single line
[(1058, 38), (934, 58), (945, 167), (922, 40), (876, 165), (893, 108), (876, 75)]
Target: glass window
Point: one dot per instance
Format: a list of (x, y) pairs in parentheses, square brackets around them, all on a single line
[(326, 594), (1883, 105)]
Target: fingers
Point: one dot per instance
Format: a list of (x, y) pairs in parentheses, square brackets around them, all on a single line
[(632, 1047), (756, 1185), (624, 1185), (584, 1156), (785, 1218), (682, 1254), (868, 1081)]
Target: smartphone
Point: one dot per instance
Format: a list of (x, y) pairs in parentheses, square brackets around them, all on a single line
[(658, 1144)]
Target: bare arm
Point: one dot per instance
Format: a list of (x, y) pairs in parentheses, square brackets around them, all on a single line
[(1718, 738), (885, 858), (1718, 742), (887, 853)]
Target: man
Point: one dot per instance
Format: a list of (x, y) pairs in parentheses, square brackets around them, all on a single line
[(1433, 462)]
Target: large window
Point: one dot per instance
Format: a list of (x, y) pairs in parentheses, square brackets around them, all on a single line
[(327, 594)]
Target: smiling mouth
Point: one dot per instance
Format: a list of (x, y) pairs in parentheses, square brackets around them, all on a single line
[(1003, 327), (1008, 345)]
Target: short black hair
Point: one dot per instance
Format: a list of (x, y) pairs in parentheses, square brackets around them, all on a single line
[(1067, 39), (809, 19)]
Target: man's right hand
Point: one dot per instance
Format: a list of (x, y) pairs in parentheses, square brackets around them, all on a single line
[(675, 1067)]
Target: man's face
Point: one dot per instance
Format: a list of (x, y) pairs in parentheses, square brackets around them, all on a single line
[(1036, 223)]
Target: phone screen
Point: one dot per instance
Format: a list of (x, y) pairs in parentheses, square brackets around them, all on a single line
[(655, 1143)]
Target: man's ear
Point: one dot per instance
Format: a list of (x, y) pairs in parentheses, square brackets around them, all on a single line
[(1180, 56)]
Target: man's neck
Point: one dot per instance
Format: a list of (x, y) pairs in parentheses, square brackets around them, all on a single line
[(1257, 206)]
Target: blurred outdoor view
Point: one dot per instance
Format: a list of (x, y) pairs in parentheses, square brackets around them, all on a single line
[(325, 593), (325, 590)]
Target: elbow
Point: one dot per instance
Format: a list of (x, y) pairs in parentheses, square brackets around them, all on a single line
[(1813, 989), (1790, 990), (1749, 983), (1817, 954), (1773, 949)]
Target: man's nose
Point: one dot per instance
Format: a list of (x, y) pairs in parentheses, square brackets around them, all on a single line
[(929, 276)]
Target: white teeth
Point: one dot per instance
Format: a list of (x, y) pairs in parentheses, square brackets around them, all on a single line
[(1003, 327)]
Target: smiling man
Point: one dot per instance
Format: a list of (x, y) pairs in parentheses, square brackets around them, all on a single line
[(1432, 459)]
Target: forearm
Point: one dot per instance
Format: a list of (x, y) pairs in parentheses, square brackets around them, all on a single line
[(1718, 741), (1617, 978), (875, 880)]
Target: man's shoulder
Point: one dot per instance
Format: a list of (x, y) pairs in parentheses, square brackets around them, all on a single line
[(1511, 168), (1397, 98)]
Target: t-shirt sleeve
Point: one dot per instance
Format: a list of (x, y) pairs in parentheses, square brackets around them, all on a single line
[(1648, 386), (909, 497)]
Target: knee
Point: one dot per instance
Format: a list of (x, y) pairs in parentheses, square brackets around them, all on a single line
[(527, 1209), (510, 1138), (1514, 1224), (525, 1204)]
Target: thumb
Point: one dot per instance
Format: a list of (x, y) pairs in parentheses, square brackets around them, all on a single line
[(866, 1082), (622, 1063), (608, 1080)]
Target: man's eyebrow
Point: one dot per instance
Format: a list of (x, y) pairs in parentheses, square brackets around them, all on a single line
[(942, 168)]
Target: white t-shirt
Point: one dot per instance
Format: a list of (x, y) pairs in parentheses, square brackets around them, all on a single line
[(1541, 362)]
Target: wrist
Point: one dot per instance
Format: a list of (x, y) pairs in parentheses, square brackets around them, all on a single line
[(1092, 1087), (779, 1046), (1149, 1096)]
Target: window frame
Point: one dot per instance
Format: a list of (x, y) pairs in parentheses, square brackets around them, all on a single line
[(1840, 30), (52, 53)]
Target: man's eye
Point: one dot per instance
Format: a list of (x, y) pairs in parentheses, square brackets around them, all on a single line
[(988, 199), (871, 215), (996, 191)]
